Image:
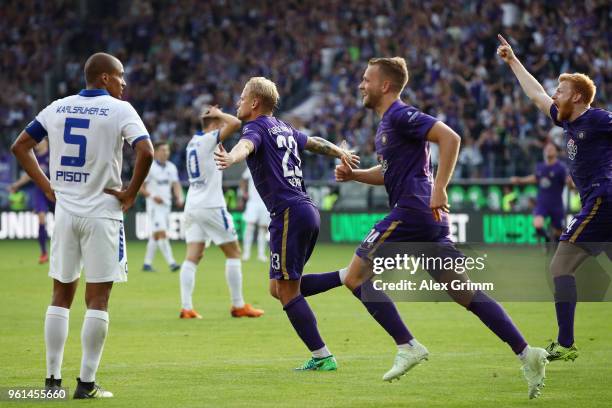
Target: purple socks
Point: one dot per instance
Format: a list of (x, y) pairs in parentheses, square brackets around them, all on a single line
[(497, 320), (42, 238), (383, 310), (314, 283), (565, 305), (304, 322)]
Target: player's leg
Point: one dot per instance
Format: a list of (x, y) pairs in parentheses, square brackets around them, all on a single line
[(247, 240), (151, 243), (315, 283), (195, 251), (293, 234), (42, 236), (164, 246), (538, 224), (566, 260), (105, 262), (64, 268), (262, 243)]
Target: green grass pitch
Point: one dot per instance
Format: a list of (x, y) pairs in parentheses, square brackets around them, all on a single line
[(153, 359)]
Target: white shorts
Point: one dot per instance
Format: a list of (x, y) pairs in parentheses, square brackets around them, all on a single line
[(209, 224), (256, 213), (96, 244), (158, 217)]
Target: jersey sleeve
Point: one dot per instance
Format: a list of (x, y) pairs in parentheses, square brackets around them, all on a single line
[(605, 123), (412, 123), (130, 125), (554, 112), (174, 176), (37, 129), (300, 138), (251, 132)]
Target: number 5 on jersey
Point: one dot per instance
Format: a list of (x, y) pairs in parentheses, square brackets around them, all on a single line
[(79, 160)]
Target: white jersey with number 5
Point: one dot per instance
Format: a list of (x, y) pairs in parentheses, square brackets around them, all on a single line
[(205, 188), (86, 134)]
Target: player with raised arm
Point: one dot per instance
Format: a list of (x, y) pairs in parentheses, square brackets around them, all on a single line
[(86, 133), (588, 134), (272, 149), (41, 204), (418, 214), (161, 183), (551, 178), (206, 216), (255, 216)]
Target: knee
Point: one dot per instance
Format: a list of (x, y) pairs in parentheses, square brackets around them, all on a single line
[(274, 293), (98, 302)]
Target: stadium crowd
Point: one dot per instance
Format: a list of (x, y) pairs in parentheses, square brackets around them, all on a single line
[(180, 55)]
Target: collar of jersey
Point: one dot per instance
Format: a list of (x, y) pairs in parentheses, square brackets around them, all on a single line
[(199, 133), (93, 92)]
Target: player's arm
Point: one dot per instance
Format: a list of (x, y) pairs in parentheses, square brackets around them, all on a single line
[(244, 189), (144, 158), (532, 88), (373, 175), (231, 124), (570, 182), (20, 182), (23, 149), (448, 143), (177, 190), (240, 152), (530, 179), (324, 147)]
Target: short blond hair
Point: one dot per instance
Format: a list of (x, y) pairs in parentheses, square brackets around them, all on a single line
[(265, 90), (581, 84), (395, 69)]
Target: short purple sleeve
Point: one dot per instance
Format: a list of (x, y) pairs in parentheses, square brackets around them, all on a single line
[(251, 132), (553, 114), (301, 139), (412, 123)]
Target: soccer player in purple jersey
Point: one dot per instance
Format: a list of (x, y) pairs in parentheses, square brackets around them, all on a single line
[(418, 214), (551, 178), (272, 149), (588, 134), (40, 203)]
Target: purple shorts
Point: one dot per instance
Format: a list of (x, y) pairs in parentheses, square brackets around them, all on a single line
[(403, 225), (293, 234), (40, 203), (591, 229), (556, 215)]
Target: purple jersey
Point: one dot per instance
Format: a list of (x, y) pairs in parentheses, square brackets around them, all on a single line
[(275, 163), (589, 150), (43, 162), (403, 153), (551, 182)]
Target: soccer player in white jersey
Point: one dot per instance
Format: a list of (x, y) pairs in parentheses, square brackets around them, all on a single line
[(161, 183), (206, 216), (255, 216), (86, 133)]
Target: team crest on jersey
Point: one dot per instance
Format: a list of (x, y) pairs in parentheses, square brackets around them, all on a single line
[(581, 135), (572, 149)]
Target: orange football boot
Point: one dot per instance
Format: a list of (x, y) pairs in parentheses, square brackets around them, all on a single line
[(189, 314), (44, 258), (246, 311)]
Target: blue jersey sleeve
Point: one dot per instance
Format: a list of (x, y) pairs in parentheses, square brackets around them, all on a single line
[(251, 132), (300, 138), (412, 123)]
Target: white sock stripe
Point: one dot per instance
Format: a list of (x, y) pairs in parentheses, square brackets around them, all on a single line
[(58, 311), (97, 314), (233, 262), (190, 265)]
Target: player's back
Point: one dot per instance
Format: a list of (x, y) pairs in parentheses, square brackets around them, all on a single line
[(275, 163), (86, 133), (551, 183), (205, 180)]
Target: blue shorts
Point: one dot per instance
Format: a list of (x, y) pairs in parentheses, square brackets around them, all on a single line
[(591, 229), (293, 234), (40, 203), (556, 215)]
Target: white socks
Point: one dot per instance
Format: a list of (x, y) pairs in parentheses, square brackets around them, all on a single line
[(321, 353), (166, 250), (93, 335), (150, 253), (56, 332), (343, 272), (233, 275), (523, 354), (247, 241), (188, 270), (261, 242)]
